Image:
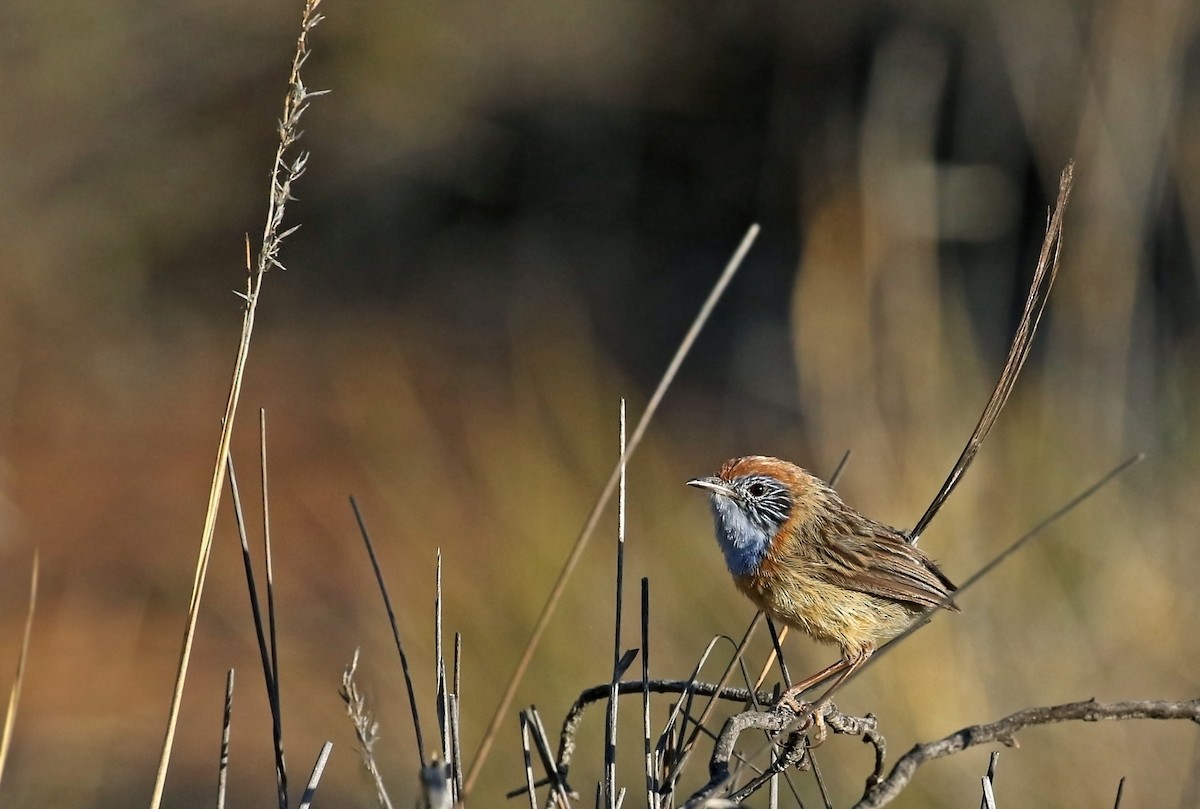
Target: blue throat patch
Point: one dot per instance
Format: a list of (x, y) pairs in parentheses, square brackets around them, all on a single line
[(743, 542)]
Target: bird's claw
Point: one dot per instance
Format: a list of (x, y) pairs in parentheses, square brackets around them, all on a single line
[(812, 718)]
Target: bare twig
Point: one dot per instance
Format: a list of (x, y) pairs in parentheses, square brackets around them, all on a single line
[(795, 751), (593, 517), (798, 749), (566, 743), (1004, 731), (689, 744), (560, 794), (776, 654), (1035, 531)]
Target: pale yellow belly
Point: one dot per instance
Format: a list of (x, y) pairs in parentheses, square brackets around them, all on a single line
[(831, 614)]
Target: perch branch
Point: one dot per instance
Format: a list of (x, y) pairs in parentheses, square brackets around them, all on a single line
[(566, 743), (794, 752), (1005, 730)]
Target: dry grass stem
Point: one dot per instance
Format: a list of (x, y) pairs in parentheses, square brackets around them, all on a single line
[(528, 759), (268, 558), (560, 794), (989, 779), (269, 665), (989, 798), (314, 780), (610, 725), (455, 723), (283, 176), (686, 688), (366, 729), (226, 723), (689, 744), (445, 727), (593, 517), (14, 694), (391, 612), (647, 744)]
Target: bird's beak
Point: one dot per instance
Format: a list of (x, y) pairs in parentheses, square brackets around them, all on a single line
[(714, 485)]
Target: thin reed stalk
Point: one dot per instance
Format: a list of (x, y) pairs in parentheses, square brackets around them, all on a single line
[(391, 613), (314, 780), (269, 665), (226, 723), (610, 725)]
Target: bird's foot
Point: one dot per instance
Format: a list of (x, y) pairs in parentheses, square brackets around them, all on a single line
[(810, 715)]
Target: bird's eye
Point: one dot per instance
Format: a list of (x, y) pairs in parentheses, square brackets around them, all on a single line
[(757, 489)]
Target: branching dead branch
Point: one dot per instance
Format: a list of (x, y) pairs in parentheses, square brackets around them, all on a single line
[(1004, 731), (793, 751), (566, 744)]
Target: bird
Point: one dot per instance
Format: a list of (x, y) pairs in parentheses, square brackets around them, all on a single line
[(810, 561)]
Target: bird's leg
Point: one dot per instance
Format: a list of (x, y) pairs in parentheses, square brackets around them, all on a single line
[(789, 697), (851, 661)]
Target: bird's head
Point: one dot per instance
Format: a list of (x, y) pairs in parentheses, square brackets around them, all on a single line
[(752, 500)]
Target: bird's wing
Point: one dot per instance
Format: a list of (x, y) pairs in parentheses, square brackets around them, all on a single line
[(885, 566)]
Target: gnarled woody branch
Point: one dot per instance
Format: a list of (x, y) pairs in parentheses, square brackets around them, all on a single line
[(566, 743), (777, 719), (793, 752), (879, 791), (1004, 731)]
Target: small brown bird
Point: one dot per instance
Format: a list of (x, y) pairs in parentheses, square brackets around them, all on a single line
[(807, 559)]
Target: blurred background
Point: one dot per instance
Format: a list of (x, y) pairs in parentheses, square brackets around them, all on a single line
[(512, 212)]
